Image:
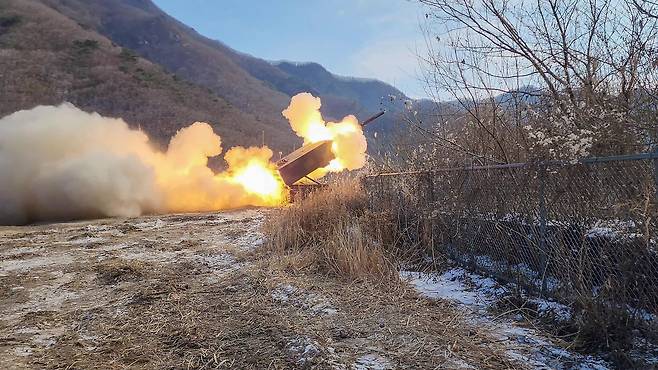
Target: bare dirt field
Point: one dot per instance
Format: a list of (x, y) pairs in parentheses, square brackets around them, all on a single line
[(194, 291)]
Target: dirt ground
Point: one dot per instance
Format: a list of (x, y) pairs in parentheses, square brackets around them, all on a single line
[(193, 291)]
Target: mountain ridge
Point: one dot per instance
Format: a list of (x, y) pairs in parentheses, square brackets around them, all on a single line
[(48, 59), (155, 33), (251, 87)]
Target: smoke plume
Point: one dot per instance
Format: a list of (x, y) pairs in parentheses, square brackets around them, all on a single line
[(60, 163), (348, 142)]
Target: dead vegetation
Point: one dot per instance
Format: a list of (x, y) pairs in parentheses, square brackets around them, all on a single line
[(116, 270), (194, 291), (331, 231), (135, 299)]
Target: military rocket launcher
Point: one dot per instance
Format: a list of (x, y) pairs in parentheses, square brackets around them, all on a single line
[(298, 164)]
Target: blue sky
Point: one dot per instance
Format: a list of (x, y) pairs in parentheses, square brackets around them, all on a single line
[(361, 38)]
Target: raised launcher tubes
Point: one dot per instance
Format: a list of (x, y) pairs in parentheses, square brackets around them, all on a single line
[(373, 118), (298, 164), (305, 160)]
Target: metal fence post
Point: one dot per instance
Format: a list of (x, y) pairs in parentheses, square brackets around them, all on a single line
[(430, 195), (655, 174), (384, 196), (470, 220), (543, 255)]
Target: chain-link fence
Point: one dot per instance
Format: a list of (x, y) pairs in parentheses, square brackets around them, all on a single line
[(583, 233)]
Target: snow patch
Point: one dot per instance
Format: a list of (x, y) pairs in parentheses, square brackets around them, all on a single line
[(372, 361), (150, 225), (150, 255), (22, 351), (303, 350), (33, 263), (250, 235), (115, 247), (85, 241), (13, 252), (97, 228), (283, 292), (221, 264), (315, 303), (47, 297), (450, 285), (477, 293)]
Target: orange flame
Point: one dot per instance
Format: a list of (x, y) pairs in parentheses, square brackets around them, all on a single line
[(100, 166), (188, 184), (348, 142), (261, 180)]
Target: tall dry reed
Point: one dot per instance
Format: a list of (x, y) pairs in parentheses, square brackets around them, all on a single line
[(331, 230)]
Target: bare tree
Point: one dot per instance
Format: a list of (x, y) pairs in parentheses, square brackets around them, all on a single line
[(647, 7), (579, 75)]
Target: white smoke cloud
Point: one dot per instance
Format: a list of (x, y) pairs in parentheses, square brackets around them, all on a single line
[(60, 163)]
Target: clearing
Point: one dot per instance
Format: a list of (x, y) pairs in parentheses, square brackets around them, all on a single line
[(194, 291)]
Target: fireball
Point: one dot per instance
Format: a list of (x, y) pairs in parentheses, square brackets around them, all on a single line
[(260, 180)]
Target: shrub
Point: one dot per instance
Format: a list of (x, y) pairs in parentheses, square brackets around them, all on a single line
[(85, 46), (144, 75), (607, 329), (128, 55), (7, 21)]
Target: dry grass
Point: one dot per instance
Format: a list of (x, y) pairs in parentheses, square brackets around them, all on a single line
[(331, 231), (216, 303), (116, 270)]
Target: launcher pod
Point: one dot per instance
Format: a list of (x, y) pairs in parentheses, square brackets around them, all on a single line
[(305, 160), (308, 158)]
